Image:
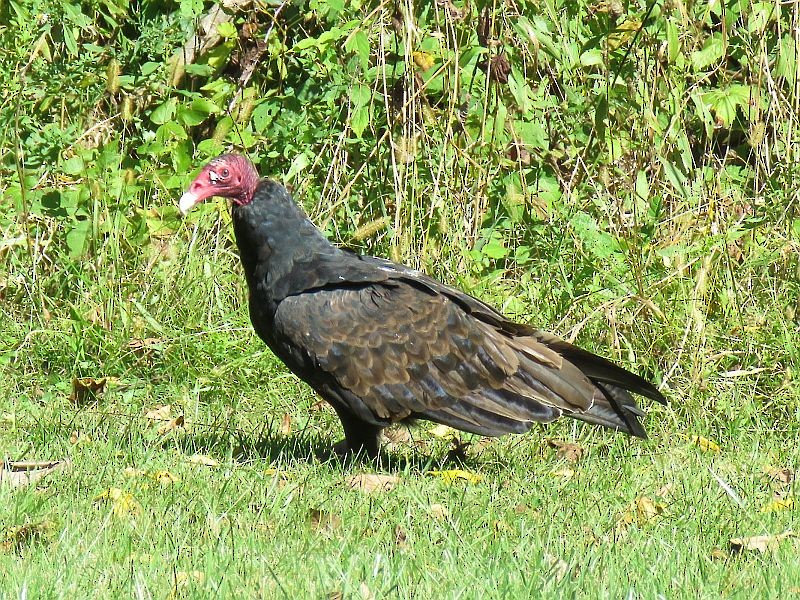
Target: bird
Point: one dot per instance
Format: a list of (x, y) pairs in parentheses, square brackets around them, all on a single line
[(383, 343)]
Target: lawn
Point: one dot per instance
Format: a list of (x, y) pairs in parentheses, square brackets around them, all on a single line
[(624, 176)]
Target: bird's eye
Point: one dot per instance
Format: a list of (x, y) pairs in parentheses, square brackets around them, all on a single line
[(225, 172)]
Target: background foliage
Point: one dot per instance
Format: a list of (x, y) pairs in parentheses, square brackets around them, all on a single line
[(624, 174)]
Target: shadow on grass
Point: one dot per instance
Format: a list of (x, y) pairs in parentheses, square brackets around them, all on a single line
[(266, 444)]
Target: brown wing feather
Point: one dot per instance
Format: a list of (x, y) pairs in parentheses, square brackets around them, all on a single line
[(398, 352)]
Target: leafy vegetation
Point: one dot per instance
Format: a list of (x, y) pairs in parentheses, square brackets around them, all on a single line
[(624, 175)]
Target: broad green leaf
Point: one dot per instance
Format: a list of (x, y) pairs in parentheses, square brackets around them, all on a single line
[(673, 41), (203, 105), (77, 236), (360, 95), (164, 112), (495, 249), (227, 30), (520, 90), (713, 50), (358, 43), (592, 58), (73, 166), (359, 119), (532, 135)]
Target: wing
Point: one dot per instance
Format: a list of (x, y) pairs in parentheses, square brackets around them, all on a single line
[(393, 350)]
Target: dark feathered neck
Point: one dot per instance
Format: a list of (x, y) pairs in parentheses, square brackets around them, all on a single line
[(275, 237)]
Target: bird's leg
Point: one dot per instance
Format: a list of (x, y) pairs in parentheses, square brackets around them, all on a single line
[(361, 437)]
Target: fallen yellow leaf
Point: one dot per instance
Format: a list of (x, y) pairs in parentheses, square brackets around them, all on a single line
[(18, 537), (372, 482), (184, 578), (439, 511), (705, 444), (564, 474), (759, 543), (453, 475), (122, 502), (202, 459), (133, 472), (165, 478), (423, 60), (160, 413), (778, 505)]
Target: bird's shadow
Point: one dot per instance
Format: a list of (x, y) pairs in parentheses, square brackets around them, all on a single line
[(314, 449)]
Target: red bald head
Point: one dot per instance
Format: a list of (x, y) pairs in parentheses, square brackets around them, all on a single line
[(229, 176)]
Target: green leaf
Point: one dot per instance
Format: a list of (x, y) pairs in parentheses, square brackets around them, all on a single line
[(520, 90), (77, 236), (299, 164), (358, 43), (359, 119), (711, 53), (360, 95), (263, 115), (787, 59), (598, 242), (673, 41), (532, 135), (202, 105), (592, 58), (164, 112), (73, 166), (227, 30), (495, 249)]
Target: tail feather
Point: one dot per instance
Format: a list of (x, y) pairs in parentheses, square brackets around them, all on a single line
[(616, 409)]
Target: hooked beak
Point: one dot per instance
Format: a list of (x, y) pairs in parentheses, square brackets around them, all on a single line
[(187, 201)]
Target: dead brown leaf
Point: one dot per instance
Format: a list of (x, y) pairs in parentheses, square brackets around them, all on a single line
[(780, 476), (397, 434), (286, 424), (759, 543), (160, 413), (321, 519), (86, 389), (18, 537), (171, 425), (567, 450), (21, 473), (372, 482), (365, 592), (321, 406), (400, 537), (144, 348)]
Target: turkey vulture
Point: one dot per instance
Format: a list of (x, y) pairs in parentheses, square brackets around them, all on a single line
[(384, 343)]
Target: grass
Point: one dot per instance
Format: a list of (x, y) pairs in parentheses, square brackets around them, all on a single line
[(653, 221), (276, 518)]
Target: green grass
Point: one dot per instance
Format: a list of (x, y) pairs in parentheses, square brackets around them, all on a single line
[(641, 199), (275, 518)]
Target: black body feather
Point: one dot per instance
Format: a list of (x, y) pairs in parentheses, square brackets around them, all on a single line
[(384, 343)]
